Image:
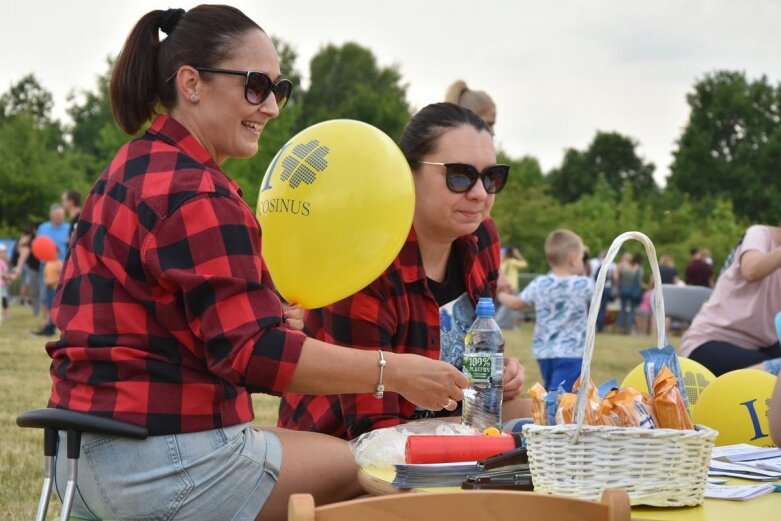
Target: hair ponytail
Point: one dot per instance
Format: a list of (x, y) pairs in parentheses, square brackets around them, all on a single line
[(134, 79), (204, 35)]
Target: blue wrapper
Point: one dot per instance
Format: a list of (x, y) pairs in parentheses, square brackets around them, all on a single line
[(606, 387), (552, 403), (655, 360)]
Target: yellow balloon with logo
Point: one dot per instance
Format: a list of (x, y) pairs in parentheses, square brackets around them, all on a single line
[(736, 405), (696, 377), (335, 208)]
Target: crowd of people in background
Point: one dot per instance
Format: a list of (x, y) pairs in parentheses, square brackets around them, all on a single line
[(35, 280)]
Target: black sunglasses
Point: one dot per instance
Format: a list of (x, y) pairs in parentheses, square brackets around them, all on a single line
[(257, 85), (460, 177)]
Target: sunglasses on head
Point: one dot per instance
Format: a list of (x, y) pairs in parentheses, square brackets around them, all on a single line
[(257, 85), (460, 177)]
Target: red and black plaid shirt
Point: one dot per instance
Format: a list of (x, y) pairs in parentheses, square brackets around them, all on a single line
[(167, 312), (397, 312)]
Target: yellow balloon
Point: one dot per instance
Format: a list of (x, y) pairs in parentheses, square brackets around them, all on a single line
[(696, 378), (335, 208), (736, 405)]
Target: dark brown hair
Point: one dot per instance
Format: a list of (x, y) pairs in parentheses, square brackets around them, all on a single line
[(422, 133), (204, 35), (73, 196)]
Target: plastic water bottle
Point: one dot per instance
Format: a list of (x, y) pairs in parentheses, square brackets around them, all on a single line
[(483, 367)]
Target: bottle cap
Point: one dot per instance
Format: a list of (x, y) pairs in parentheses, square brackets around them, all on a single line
[(485, 307)]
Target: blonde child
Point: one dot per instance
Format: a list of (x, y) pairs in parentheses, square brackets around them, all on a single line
[(560, 299)]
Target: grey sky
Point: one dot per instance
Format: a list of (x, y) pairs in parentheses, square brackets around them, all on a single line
[(558, 71)]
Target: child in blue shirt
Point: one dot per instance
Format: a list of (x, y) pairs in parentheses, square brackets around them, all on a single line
[(561, 300)]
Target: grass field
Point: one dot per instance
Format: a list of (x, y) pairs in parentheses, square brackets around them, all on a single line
[(24, 380)]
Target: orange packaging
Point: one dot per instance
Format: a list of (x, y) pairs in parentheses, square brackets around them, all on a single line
[(566, 410), (670, 410), (593, 401), (539, 407), (605, 415), (632, 409)]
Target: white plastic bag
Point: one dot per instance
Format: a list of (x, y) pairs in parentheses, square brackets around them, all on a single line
[(385, 447)]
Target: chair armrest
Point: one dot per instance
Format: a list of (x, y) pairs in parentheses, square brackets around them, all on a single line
[(63, 419)]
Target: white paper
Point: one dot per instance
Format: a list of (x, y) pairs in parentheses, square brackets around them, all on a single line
[(744, 452), (752, 477), (737, 493), (743, 468), (769, 464)]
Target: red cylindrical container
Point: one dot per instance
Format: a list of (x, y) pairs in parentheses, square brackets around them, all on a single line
[(447, 449)]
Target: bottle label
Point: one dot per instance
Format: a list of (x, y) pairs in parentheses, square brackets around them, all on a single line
[(477, 367)]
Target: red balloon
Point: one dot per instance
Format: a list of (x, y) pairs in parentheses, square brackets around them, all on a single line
[(44, 249)]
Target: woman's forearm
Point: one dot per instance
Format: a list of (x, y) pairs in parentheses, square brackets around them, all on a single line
[(755, 265), (328, 369)]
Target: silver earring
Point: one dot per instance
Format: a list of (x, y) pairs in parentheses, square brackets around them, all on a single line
[(194, 98)]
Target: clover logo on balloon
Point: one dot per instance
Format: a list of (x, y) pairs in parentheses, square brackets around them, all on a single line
[(303, 163), (335, 207)]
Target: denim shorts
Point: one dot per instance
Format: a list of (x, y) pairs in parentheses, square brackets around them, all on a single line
[(224, 473)]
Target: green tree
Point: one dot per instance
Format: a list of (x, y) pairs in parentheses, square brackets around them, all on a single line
[(611, 155), (27, 96), (33, 173), (346, 82), (594, 217), (731, 145)]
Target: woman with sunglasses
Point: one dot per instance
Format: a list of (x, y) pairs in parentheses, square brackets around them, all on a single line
[(424, 302), (167, 312)]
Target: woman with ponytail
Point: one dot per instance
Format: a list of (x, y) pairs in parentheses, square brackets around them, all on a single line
[(168, 315)]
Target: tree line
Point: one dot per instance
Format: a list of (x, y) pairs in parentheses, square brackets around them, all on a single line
[(723, 176)]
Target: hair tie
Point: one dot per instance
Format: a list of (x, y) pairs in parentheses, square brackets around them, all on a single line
[(169, 19)]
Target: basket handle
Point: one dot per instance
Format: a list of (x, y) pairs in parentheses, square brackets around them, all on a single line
[(596, 298)]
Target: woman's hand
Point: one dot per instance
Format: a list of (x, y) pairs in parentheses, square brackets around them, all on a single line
[(514, 378), (430, 384), (294, 317)]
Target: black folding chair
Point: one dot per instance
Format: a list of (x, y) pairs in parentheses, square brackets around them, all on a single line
[(75, 423)]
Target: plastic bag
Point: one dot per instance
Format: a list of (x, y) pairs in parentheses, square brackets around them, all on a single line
[(385, 447)]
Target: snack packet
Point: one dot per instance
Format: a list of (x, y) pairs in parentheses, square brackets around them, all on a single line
[(668, 402), (655, 360), (633, 409), (592, 396), (565, 413), (605, 415), (606, 387), (539, 407), (552, 403)]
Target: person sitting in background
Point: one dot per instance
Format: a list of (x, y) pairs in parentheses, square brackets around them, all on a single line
[(699, 272), (475, 100), (560, 299), (425, 301), (734, 328)]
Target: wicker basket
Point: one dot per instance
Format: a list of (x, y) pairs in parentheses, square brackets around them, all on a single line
[(658, 467)]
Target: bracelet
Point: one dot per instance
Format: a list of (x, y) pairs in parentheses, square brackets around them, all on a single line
[(380, 385)]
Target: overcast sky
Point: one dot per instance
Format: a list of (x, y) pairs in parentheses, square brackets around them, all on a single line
[(558, 71)]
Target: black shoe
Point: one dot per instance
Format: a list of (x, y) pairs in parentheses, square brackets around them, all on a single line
[(44, 331)]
